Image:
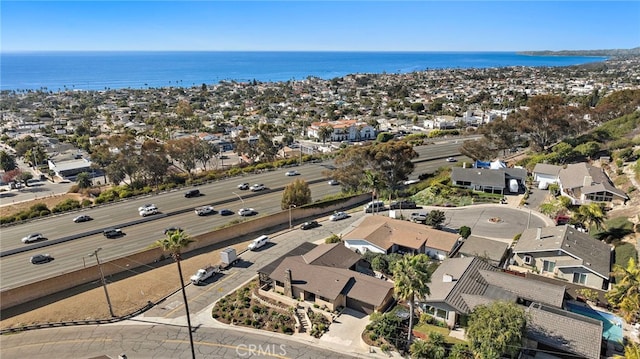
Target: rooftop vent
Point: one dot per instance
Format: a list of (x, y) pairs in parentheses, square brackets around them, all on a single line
[(447, 278)]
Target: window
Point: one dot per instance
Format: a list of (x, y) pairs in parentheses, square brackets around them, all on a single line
[(580, 278), (548, 266), (527, 259)]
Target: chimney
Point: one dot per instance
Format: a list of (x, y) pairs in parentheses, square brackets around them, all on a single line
[(538, 233), (447, 278), (288, 290), (587, 181)]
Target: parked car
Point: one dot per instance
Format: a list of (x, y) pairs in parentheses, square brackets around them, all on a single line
[(406, 204), (257, 187), (338, 216), (34, 237), (309, 225), (82, 218), (451, 159), (374, 206), (226, 212), (41, 258), (206, 210), (112, 233), (171, 230), (192, 193), (292, 173), (333, 182), (145, 206), (246, 212), (243, 186), (418, 217)]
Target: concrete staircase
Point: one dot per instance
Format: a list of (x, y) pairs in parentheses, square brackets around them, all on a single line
[(301, 313)]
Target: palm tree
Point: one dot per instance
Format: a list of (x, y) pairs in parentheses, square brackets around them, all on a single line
[(174, 242), (372, 182), (631, 351), (419, 349), (411, 278), (592, 214), (625, 294), (325, 132)]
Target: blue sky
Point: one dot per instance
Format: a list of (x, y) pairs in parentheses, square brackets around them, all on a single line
[(92, 25)]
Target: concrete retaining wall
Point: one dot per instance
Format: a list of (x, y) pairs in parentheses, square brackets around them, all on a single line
[(32, 291)]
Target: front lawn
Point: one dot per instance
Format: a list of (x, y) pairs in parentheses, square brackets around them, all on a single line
[(423, 330)]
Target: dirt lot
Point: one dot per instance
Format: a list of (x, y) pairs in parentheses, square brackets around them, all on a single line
[(50, 201)]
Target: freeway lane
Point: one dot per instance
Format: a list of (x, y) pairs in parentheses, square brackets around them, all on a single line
[(71, 255)]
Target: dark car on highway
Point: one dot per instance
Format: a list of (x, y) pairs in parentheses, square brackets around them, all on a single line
[(41, 258), (82, 218), (226, 212), (309, 225), (112, 233), (172, 230), (192, 193)]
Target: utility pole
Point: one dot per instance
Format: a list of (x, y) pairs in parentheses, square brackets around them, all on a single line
[(104, 282)]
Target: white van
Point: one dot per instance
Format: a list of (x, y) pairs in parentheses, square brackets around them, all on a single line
[(258, 242), (514, 187), (147, 211), (374, 206)]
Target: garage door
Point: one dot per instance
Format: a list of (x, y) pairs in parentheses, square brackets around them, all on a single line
[(359, 306)]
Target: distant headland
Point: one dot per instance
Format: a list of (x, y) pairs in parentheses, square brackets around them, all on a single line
[(608, 53)]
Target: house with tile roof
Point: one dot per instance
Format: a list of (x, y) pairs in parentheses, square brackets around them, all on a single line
[(328, 276), (382, 234), (461, 284), (344, 130), (565, 254), (584, 183), (551, 329)]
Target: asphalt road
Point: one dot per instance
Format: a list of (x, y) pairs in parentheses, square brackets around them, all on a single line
[(149, 340), (72, 255)]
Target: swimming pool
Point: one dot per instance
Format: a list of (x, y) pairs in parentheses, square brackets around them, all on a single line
[(611, 324)]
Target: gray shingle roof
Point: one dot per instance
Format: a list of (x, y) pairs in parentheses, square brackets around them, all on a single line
[(483, 247), (476, 282), (332, 255), (479, 176), (557, 328), (591, 253), (573, 176), (547, 169)]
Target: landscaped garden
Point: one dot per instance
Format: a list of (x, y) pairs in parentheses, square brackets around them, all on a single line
[(241, 308)]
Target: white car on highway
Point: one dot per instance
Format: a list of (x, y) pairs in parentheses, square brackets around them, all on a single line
[(292, 173), (34, 237), (145, 206), (257, 187), (246, 212), (203, 211)]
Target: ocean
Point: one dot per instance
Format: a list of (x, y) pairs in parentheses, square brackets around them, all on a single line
[(59, 71)]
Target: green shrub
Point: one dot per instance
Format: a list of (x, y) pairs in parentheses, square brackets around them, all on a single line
[(66, 205), (86, 203)]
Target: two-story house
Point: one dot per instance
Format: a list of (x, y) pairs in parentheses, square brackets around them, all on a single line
[(566, 254)]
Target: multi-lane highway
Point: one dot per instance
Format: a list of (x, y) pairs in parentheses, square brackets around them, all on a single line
[(176, 211)]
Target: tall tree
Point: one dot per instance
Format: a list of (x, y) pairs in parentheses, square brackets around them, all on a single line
[(496, 329), (7, 161), (155, 162), (183, 151), (546, 120), (296, 193), (325, 132), (592, 215), (175, 242), (625, 294), (411, 279), (83, 180)]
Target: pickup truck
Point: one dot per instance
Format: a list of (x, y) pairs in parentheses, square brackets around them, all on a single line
[(204, 273)]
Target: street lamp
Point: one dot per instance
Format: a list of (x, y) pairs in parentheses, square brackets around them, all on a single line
[(240, 198), (291, 206), (104, 283)]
